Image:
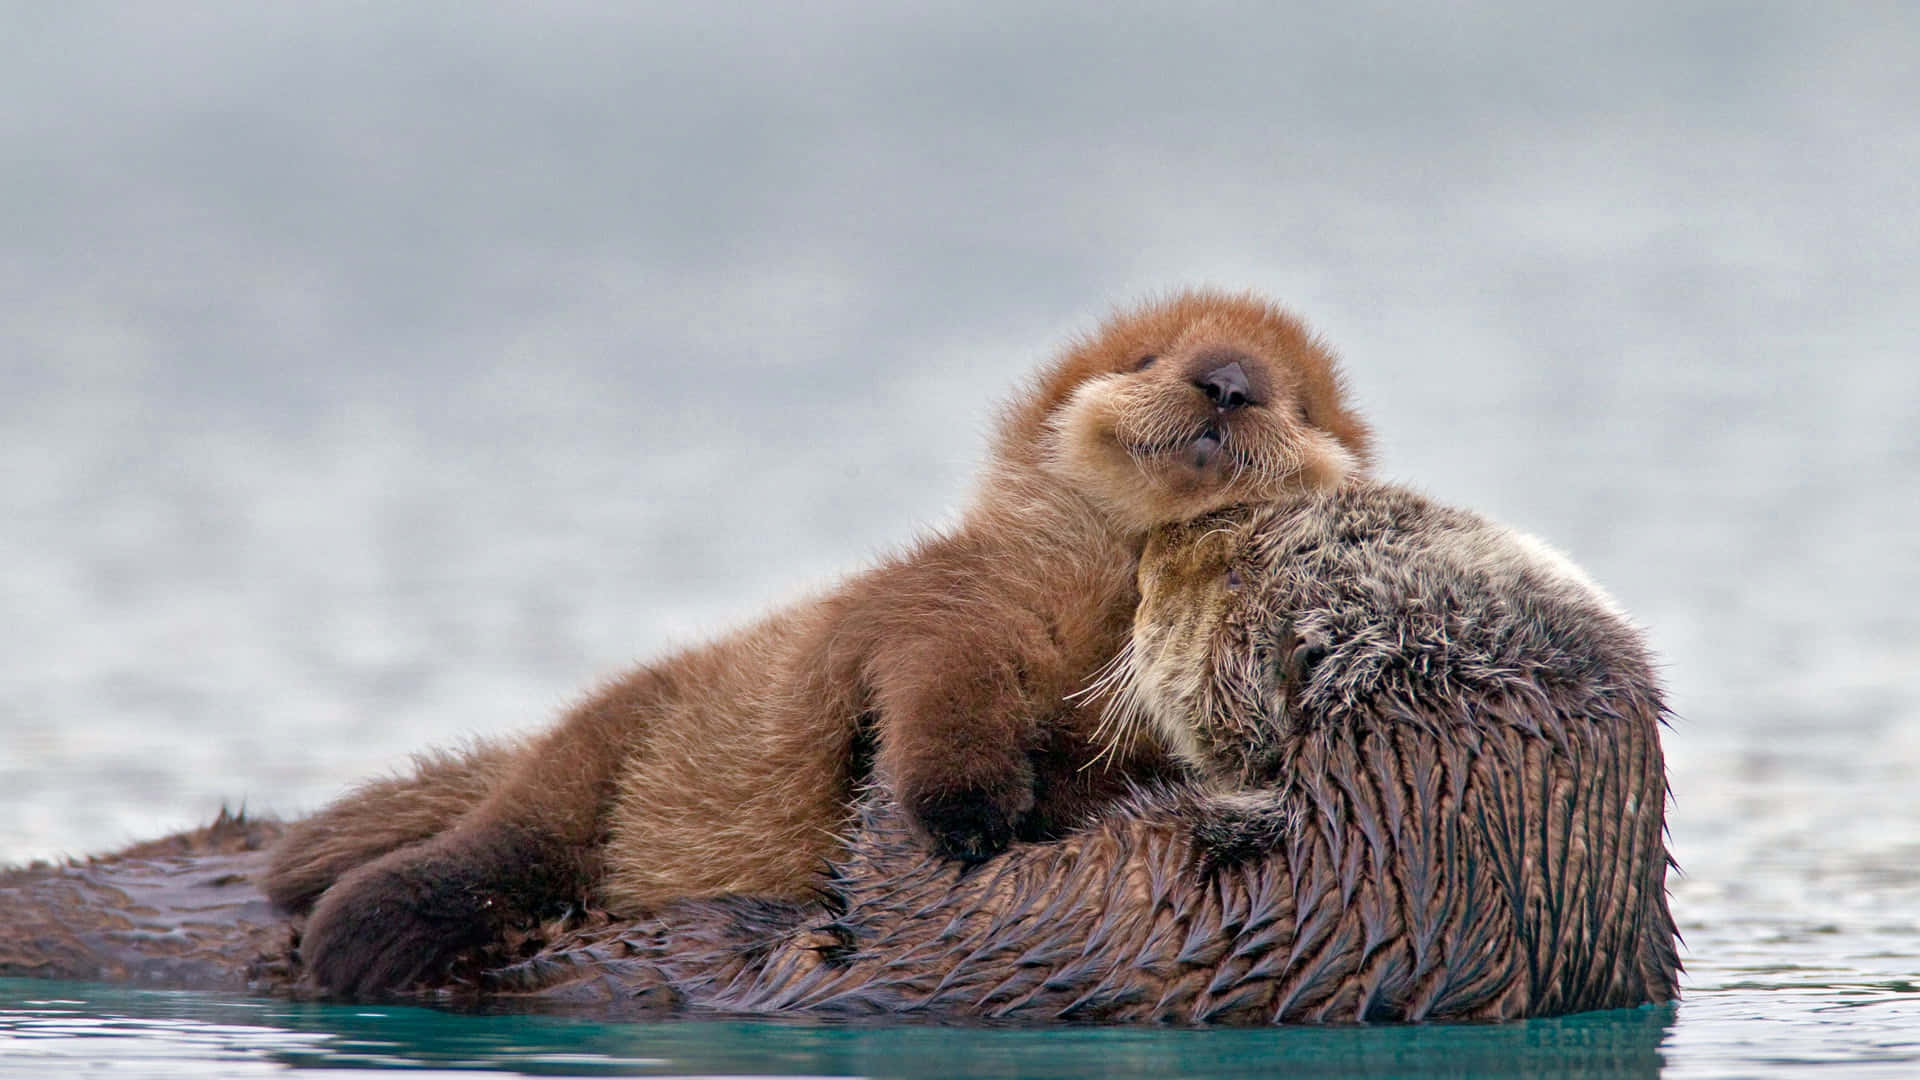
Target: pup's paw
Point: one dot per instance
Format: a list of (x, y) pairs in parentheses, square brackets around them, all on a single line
[(393, 924), (971, 820)]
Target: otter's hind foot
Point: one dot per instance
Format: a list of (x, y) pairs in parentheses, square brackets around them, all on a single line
[(405, 918)]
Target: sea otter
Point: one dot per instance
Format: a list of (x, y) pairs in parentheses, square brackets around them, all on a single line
[(731, 767), (1428, 785)]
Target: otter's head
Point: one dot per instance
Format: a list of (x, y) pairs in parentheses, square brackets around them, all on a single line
[(1361, 607), (1190, 404)]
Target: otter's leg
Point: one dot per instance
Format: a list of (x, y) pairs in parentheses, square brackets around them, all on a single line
[(754, 802), (958, 700), (532, 847), (380, 817)]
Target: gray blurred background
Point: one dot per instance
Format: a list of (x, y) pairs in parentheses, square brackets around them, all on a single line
[(376, 375)]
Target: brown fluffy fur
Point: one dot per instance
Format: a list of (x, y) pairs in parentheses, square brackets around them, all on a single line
[(730, 767)]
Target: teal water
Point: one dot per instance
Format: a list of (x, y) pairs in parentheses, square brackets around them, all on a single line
[(1781, 1021), (69, 1028)]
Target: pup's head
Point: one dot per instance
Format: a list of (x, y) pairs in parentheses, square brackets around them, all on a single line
[(1189, 404)]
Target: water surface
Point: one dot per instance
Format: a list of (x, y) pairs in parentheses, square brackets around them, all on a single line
[(54, 1027)]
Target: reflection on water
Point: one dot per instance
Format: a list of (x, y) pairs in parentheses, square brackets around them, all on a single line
[(47, 1028)]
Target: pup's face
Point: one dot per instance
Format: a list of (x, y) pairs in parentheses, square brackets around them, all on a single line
[(1199, 402)]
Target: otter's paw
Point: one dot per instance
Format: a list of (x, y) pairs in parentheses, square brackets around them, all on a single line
[(394, 923), (964, 825), (971, 822), (1233, 829)]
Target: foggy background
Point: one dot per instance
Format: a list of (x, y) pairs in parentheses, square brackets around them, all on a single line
[(372, 376)]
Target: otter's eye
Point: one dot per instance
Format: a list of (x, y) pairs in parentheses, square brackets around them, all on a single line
[(1234, 580), (1305, 657), (1144, 362)]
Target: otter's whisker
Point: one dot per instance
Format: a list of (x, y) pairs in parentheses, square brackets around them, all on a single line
[(1118, 716), (1224, 528)]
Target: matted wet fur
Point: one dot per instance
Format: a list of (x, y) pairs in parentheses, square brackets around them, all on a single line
[(182, 912), (730, 767), (1448, 806)]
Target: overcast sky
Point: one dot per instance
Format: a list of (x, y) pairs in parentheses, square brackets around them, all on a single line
[(305, 203)]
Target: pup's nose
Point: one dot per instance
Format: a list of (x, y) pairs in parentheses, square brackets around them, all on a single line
[(1225, 386)]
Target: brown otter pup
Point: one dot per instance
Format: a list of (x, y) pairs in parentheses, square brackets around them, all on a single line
[(731, 767), (1432, 788)]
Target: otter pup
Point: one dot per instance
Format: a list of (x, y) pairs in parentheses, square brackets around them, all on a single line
[(1430, 786), (730, 767)]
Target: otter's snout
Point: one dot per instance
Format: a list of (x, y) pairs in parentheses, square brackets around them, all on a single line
[(1224, 380)]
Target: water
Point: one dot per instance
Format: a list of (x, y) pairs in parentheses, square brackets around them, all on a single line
[(57, 1028), (370, 379)]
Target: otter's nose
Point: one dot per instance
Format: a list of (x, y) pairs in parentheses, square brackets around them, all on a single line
[(1225, 386)]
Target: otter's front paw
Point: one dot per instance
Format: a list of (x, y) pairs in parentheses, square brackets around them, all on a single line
[(963, 825), (971, 821), (392, 924)]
